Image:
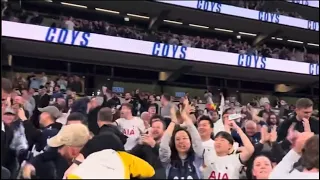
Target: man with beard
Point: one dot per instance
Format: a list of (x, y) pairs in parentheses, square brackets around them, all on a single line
[(64, 148), (148, 146)]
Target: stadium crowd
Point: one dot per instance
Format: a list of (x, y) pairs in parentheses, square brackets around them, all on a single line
[(92, 139), (232, 45), (36, 81), (49, 131), (259, 6)]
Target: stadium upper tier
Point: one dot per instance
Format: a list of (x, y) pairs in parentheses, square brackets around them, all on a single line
[(172, 35)]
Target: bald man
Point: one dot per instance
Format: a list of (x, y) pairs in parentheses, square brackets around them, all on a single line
[(251, 130)]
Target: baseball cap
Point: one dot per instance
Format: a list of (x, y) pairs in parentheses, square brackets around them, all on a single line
[(52, 110), (75, 135)]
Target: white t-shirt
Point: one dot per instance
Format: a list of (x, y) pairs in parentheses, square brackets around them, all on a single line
[(69, 25), (217, 167), (44, 80), (131, 128), (208, 144)]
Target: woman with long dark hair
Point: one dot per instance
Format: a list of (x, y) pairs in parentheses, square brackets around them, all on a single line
[(273, 120), (181, 149)]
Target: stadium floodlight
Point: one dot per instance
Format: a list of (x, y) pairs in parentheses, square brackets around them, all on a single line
[(172, 22), (294, 41), (312, 44), (224, 30), (248, 34), (198, 26), (74, 5), (138, 16), (107, 10), (127, 19)]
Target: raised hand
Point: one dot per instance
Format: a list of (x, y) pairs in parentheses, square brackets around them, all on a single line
[(148, 140), (234, 125), (186, 109), (173, 115), (306, 125), (185, 113), (27, 171), (265, 137), (292, 134), (227, 123), (22, 114), (273, 134), (301, 140)]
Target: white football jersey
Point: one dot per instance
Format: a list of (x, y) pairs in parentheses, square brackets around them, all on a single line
[(225, 167), (131, 128)]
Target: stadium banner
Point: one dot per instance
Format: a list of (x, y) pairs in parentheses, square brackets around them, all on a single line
[(92, 40), (311, 3), (275, 18)]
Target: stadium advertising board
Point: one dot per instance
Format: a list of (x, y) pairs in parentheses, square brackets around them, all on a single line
[(275, 18), (91, 40), (311, 3)]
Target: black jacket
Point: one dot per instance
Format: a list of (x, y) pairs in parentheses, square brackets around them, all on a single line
[(113, 129), (50, 165), (34, 135), (92, 120), (134, 104), (151, 155), (283, 129), (92, 116), (112, 103), (6, 138), (43, 101), (101, 142), (9, 157)]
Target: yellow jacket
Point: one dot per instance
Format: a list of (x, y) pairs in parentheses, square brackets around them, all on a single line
[(110, 164)]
